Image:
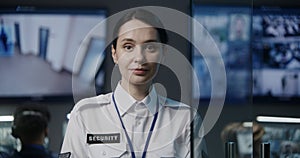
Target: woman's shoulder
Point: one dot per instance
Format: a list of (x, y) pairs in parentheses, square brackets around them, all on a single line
[(172, 103), (96, 101), (177, 105)]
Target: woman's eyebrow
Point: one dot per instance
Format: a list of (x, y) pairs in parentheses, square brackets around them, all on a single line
[(131, 40), (150, 40), (127, 40)]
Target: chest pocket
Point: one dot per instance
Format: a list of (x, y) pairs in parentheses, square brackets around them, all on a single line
[(162, 152), (168, 151), (107, 150)]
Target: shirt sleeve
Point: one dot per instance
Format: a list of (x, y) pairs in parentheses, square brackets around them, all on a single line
[(199, 144), (193, 134), (74, 145)]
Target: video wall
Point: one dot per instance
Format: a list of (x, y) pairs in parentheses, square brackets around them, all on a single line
[(260, 48)]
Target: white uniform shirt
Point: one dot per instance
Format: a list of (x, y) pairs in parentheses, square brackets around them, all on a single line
[(94, 129)]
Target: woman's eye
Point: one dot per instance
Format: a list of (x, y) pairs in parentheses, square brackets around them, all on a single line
[(128, 48), (150, 48)]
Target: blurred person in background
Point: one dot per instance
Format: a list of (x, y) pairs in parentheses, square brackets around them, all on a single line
[(30, 125)]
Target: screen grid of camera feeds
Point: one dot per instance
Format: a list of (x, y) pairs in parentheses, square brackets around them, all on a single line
[(276, 53), (230, 29)]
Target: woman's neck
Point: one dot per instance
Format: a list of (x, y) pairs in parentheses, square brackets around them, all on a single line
[(138, 92)]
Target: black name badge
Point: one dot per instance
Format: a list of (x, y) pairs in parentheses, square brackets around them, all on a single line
[(64, 155), (103, 138)]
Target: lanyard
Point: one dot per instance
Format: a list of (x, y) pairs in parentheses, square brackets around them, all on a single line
[(126, 133)]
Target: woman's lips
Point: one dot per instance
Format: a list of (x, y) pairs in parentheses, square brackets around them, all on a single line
[(139, 71)]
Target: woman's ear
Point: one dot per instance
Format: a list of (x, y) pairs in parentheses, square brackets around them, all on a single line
[(46, 132), (114, 54)]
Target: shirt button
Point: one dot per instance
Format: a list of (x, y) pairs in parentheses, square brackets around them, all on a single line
[(139, 122), (103, 153)]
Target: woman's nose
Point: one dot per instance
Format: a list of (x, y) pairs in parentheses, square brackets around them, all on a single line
[(139, 55)]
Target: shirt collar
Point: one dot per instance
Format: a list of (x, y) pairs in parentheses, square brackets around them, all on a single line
[(125, 101)]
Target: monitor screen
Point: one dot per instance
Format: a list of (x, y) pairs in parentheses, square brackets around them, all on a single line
[(38, 49), (284, 139), (276, 52), (229, 27)]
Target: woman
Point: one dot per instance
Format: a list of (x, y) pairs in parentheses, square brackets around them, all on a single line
[(133, 121)]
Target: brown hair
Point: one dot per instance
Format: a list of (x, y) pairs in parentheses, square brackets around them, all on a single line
[(144, 16)]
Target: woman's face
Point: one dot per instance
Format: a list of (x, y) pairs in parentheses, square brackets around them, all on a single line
[(137, 52)]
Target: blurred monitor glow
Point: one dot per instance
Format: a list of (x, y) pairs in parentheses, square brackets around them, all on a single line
[(277, 119), (6, 118)]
